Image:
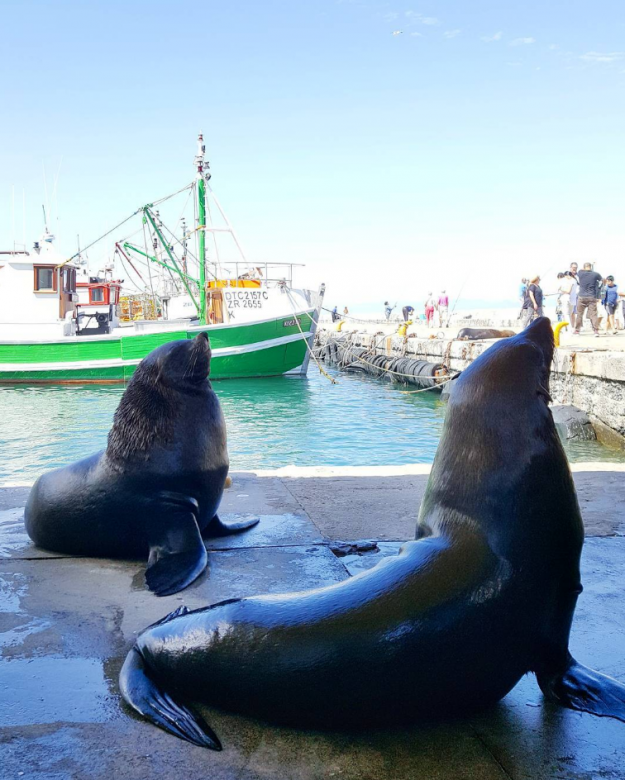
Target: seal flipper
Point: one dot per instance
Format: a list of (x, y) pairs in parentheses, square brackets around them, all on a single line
[(178, 612), (177, 552), (566, 682), (217, 527), (581, 688), (144, 696)]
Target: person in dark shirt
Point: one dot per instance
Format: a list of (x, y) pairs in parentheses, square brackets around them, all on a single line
[(589, 286), (533, 302), (611, 299), (407, 312)]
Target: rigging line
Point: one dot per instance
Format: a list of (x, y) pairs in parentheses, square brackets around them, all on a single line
[(108, 233), (178, 241), (130, 279), (145, 244), (186, 203), (129, 236), (466, 279), (311, 352), (123, 256), (209, 221), (173, 195)]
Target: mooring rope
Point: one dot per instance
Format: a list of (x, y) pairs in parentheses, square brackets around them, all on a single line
[(310, 351)]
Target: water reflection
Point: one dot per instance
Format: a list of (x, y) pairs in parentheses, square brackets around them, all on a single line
[(271, 423), (49, 690)]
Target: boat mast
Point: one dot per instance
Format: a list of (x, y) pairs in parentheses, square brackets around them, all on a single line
[(203, 175)]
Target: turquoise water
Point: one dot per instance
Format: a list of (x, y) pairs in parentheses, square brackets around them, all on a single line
[(271, 423)]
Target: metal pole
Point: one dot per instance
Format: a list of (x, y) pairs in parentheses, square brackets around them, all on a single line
[(201, 204)]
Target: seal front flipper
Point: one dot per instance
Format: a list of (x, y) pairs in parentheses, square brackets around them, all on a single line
[(144, 696), (217, 528), (177, 552), (581, 688), (178, 612), (566, 682)]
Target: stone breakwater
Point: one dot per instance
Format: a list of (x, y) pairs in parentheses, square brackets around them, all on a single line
[(590, 379)]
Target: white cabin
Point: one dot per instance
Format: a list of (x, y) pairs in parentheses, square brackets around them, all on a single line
[(37, 297)]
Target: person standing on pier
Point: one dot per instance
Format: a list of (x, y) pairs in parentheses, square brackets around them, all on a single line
[(443, 309), (388, 309), (565, 289), (611, 302), (430, 306), (407, 312), (589, 285), (533, 303), (522, 295)]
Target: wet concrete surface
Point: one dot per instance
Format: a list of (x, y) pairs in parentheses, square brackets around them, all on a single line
[(66, 624), (354, 507)]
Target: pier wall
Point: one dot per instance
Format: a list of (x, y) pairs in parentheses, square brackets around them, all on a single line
[(592, 380)]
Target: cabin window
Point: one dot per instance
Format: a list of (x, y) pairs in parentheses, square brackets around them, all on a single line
[(97, 294), (45, 278)]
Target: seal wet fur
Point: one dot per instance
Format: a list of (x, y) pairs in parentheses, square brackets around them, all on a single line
[(156, 488), (485, 594)]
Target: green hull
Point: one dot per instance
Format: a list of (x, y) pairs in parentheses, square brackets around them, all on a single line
[(268, 348)]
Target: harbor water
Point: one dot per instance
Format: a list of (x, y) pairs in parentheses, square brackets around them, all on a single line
[(359, 421)]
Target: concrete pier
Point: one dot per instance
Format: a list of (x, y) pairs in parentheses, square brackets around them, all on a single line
[(588, 373), (66, 624)]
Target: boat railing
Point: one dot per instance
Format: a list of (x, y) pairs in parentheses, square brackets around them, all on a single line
[(261, 272)]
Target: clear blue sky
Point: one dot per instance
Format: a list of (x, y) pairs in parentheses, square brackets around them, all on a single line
[(485, 139)]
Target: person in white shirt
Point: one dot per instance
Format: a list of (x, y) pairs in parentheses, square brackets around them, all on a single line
[(567, 283)]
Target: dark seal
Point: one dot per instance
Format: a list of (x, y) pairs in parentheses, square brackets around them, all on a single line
[(477, 334), (156, 488), (485, 594)]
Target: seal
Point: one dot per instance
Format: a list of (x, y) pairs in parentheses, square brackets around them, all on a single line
[(156, 488), (483, 595), (474, 334)]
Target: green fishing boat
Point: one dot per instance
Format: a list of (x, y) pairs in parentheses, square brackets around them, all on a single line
[(60, 325)]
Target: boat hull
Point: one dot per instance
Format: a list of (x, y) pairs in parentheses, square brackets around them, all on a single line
[(265, 348)]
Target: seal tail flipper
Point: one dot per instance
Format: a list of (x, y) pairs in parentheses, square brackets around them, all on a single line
[(217, 527), (581, 688), (157, 706), (177, 552)]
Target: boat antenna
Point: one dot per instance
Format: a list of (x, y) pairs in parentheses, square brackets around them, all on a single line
[(13, 214), (55, 199), (45, 187), (202, 176)]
